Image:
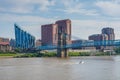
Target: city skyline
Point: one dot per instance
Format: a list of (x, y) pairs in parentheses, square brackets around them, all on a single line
[(86, 19)]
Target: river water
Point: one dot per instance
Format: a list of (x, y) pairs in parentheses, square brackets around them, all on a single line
[(74, 68)]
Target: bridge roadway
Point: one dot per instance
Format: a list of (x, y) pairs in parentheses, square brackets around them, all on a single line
[(83, 44)]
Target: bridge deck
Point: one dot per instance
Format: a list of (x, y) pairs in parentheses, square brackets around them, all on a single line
[(84, 44)]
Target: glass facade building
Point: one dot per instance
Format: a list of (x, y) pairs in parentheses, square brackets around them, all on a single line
[(23, 39)]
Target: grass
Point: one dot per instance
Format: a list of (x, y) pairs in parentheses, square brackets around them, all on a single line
[(50, 54), (102, 54), (74, 54), (7, 54), (79, 54), (89, 54), (28, 55)]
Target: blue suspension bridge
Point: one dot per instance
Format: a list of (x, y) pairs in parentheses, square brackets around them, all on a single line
[(62, 45), (84, 44), (26, 41)]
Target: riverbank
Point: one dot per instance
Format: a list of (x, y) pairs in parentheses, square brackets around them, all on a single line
[(52, 54), (71, 54), (27, 55), (6, 57), (91, 54), (7, 54)]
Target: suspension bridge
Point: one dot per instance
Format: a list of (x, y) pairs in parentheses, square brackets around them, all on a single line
[(26, 41), (79, 45)]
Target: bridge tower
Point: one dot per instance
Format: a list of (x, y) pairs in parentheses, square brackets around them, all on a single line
[(62, 41)]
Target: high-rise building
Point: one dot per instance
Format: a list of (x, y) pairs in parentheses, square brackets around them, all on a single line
[(49, 34), (98, 37), (110, 32), (107, 34), (82, 42), (66, 28), (23, 39)]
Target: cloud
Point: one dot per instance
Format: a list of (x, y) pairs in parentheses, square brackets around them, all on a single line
[(77, 7), (24, 18), (110, 8), (9, 10), (45, 4), (31, 24), (34, 30), (80, 28), (84, 28), (25, 6)]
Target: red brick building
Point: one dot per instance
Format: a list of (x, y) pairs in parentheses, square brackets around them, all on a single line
[(49, 32), (98, 37), (66, 25)]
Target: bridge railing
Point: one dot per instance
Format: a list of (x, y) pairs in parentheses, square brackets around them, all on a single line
[(84, 44)]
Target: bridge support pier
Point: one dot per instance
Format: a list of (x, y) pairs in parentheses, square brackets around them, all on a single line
[(62, 51)]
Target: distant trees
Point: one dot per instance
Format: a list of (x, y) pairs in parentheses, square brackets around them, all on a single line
[(117, 50)]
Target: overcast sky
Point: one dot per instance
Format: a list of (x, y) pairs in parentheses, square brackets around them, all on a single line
[(88, 16)]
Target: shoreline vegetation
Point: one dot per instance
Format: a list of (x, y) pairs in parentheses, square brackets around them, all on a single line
[(52, 54), (7, 54)]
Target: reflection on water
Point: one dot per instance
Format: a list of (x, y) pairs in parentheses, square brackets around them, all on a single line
[(74, 68)]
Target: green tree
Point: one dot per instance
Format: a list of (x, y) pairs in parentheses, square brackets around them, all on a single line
[(117, 50)]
